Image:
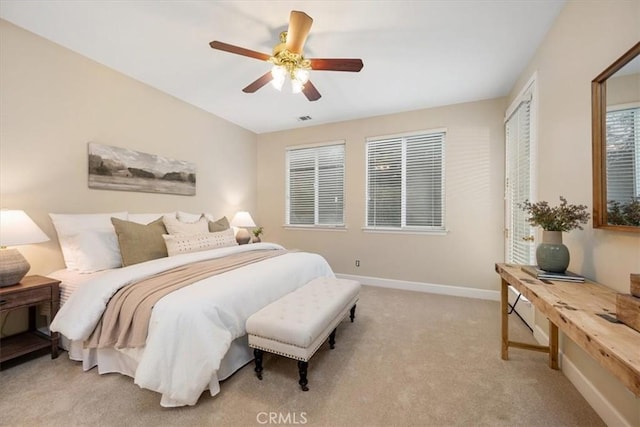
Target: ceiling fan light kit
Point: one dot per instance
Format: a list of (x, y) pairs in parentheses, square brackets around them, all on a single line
[(286, 63), (288, 60)]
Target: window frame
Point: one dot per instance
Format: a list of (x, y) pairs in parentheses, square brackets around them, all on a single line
[(516, 226), (287, 213), (403, 228)]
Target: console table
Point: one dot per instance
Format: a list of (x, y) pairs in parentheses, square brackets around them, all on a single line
[(574, 309)]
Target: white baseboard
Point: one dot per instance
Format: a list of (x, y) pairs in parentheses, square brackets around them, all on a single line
[(597, 400), (430, 288), (543, 339), (591, 394)]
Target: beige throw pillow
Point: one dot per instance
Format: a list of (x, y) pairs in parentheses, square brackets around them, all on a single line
[(178, 244), (138, 242), (175, 226), (219, 225)]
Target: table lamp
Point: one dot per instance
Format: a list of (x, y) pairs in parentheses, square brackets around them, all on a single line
[(242, 220), (16, 228)]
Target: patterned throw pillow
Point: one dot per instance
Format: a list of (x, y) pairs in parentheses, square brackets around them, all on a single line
[(178, 244)]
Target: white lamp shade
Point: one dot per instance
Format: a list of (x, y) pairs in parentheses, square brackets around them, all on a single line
[(16, 228), (302, 75), (242, 219), (278, 83), (296, 86)]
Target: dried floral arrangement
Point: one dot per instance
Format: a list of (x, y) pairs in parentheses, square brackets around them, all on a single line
[(564, 217)]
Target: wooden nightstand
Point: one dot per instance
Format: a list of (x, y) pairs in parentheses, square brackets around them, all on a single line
[(30, 292)]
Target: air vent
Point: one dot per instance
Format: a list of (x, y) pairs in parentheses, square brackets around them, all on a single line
[(304, 118)]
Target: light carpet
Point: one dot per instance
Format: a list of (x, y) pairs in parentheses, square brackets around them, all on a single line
[(410, 359)]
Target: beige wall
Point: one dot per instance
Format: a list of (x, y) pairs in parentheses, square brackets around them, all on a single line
[(474, 169), (623, 89), (584, 40), (54, 101)]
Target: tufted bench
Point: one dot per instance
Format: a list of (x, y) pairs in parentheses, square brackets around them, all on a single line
[(296, 325)]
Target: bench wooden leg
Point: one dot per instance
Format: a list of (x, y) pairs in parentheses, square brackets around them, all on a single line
[(302, 369), (257, 353), (353, 313), (332, 339)]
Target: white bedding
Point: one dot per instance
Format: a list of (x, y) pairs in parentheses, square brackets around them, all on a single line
[(71, 280), (191, 329)]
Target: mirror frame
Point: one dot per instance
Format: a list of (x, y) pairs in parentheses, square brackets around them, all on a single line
[(599, 138)]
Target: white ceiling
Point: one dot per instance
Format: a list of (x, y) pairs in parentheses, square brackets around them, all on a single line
[(416, 54)]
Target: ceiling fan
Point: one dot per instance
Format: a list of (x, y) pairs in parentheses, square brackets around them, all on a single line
[(288, 60)]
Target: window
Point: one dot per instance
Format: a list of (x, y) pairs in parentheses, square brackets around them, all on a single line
[(405, 182), (623, 154), (315, 186), (519, 234)]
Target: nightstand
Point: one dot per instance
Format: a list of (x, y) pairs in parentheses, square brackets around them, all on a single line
[(30, 292)]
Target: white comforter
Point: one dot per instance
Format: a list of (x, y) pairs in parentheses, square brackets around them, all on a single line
[(191, 329)]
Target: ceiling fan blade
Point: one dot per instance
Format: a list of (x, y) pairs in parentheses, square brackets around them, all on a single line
[(336, 64), (311, 92), (299, 26), (239, 50), (261, 81)]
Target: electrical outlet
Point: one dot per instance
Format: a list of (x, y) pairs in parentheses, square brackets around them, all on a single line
[(357, 263)]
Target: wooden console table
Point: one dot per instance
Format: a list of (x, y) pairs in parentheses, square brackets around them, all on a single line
[(573, 308)]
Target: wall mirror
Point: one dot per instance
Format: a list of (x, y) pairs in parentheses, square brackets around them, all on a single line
[(615, 103)]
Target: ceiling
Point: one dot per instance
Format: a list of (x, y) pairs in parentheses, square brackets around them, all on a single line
[(416, 54)]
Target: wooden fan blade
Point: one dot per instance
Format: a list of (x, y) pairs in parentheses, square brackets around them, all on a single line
[(239, 50), (337, 64), (311, 92), (299, 26), (261, 81)]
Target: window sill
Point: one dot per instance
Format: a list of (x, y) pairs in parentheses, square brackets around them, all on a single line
[(315, 227), (404, 231)]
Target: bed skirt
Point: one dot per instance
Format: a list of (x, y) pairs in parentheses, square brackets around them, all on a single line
[(125, 362)]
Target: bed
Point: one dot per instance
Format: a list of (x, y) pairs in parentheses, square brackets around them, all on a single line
[(196, 335)]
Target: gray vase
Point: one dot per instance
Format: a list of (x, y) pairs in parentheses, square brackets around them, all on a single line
[(551, 254)]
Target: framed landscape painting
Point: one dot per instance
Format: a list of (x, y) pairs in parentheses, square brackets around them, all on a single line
[(116, 168)]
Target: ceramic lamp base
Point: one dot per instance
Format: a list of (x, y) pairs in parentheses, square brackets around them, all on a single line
[(13, 267), (243, 237)]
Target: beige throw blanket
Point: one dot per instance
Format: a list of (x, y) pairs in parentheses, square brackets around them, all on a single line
[(125, 321)]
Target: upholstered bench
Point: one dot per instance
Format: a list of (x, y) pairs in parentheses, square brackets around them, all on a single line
[(296, 325)]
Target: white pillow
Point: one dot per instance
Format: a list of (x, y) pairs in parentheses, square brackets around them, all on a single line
[(175, 226), (80, 255), (183, 244), (189, 217), (146, 219), (95, 251)]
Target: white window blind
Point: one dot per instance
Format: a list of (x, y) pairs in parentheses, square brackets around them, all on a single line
[(623, 154), (518, 184), (315, 186), (405, 182)]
